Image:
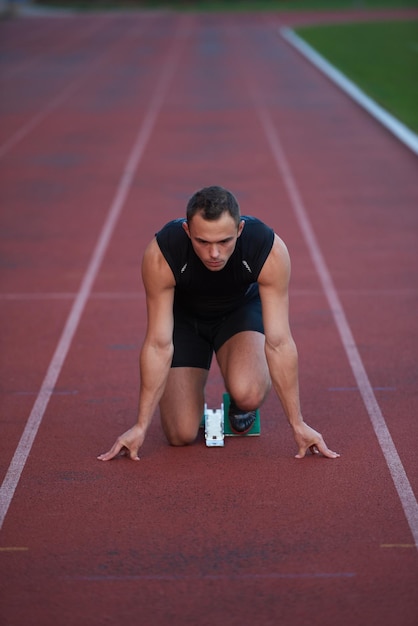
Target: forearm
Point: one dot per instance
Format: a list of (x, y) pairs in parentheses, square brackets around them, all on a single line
[(283, 365), (155, 363)]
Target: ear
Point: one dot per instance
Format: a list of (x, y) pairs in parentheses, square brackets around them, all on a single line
[(186, 228), (241, 227)]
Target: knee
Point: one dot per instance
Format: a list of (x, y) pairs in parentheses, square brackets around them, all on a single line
[(246, 403), (250, 398), (178, 440), (181, 436)]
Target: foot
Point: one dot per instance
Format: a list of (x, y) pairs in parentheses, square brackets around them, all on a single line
[(240, 422)]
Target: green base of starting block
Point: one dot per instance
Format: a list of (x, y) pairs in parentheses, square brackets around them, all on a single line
[(254, 430), (228, 432)]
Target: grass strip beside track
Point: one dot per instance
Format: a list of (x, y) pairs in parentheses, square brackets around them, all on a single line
[(229, 5), (380, 57)]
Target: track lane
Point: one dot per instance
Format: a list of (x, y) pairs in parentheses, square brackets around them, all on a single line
[(23, 450), (141, 538)]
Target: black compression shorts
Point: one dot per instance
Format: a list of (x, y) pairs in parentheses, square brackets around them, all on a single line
[(195, 339)]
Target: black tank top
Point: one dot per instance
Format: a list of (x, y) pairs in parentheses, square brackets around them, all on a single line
[(207, 293)]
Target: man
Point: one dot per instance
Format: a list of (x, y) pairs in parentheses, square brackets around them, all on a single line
[(216, 282)]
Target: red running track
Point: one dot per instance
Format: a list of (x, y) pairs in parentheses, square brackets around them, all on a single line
[(109, 123)]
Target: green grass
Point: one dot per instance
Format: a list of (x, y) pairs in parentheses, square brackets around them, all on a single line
[(230, 5), (380, 57)]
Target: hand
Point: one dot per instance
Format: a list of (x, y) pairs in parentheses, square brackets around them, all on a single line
[(128, 443), (308, 439)]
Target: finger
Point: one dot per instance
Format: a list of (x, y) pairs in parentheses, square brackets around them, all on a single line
[(114, 450), (315, 449), (301, 453), (303, 450), (330, 454), (117, 448), (132, 454), (325, 451)]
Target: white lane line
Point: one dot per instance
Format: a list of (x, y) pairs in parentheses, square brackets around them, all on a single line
[(218, 577), (400, 479), (51, 295), (9, 71), (34, 121), (25, 444), (404, 134), (54, 103), (139, 295), (356, 389)]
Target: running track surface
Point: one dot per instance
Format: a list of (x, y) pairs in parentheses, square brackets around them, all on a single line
[(108, 125)]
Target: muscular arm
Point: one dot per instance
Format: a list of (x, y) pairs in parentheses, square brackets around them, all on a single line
[(281, 352), (157, 349), (156, 352)]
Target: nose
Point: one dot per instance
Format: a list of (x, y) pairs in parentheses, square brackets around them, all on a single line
[(214, 251)]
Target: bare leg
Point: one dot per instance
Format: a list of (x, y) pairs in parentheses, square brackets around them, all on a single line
[(244, 368), (182, 404)]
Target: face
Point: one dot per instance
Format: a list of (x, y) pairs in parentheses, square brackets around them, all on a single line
[(213, 241)]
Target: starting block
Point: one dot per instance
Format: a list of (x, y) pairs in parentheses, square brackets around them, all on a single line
[(217, 426), (214, 426)]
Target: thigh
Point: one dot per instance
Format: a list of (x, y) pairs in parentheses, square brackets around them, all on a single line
[(182, 404), (192, 348), (243, 364)]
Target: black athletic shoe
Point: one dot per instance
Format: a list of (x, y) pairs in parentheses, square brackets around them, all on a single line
[(240, 422)]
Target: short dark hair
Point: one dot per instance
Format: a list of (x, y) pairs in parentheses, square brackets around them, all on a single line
[(211, 202)]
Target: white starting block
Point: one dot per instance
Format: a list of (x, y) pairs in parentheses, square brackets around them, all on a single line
[(214, 426), (217, 427)]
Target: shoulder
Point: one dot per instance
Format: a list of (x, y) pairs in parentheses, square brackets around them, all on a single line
[(171, 230), (254, 226), (175, 245), (256, 235), (279, 250), (277, 267), (255, 244), (156, 272)]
